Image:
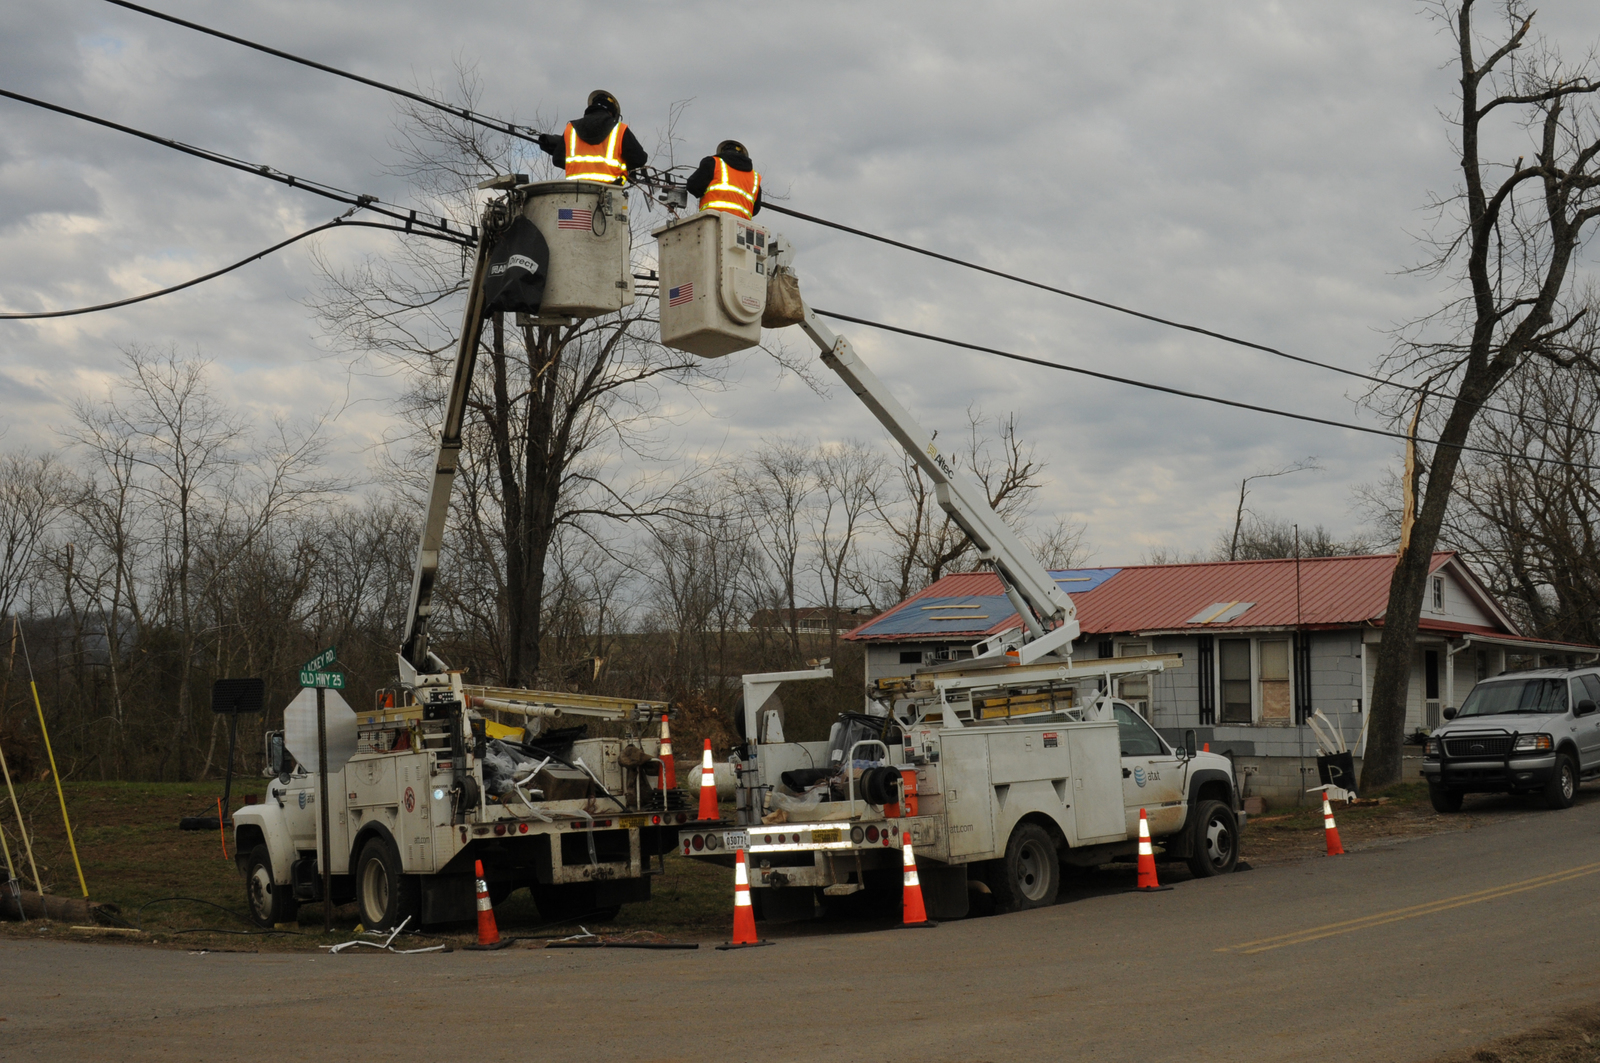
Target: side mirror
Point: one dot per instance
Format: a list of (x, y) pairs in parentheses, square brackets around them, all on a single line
[(1189, 743), (1449, 714), (1585, 707), (276, 757)]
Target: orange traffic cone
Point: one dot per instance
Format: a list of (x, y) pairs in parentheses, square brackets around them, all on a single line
[(708, 788), (1206, 749), (669, 769), (1329, 829), (488, 933), (744, 917), (1147, 860), (912, 913)]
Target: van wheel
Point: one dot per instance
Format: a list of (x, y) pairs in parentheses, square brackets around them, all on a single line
[(1444, 799), (385, 896), (1214, 840), (1029, 875), (270, 903), (1562, 789)]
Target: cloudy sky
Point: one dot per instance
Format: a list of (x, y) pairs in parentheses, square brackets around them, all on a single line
[(1255, 167)]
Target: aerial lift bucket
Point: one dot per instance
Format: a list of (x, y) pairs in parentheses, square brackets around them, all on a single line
[(585, 224), (713, 269)]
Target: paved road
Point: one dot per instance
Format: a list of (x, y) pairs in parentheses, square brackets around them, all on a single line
[(1393, 953)]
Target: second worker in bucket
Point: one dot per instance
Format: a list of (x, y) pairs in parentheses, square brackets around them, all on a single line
[(727, 181)]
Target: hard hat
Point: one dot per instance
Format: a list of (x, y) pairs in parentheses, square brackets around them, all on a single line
[(602, 98), (733, 146)]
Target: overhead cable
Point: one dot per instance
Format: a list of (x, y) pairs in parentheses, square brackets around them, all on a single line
[(1181, 393), (1415, 389), (413, 221), (334, 224), (497, 124)]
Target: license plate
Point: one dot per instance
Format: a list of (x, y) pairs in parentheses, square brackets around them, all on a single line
[(820, 836), (736, 840), (632, 822)]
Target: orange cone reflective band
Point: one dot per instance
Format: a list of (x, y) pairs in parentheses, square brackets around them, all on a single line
[(1147, 858), (744, 916), (669, 769), (488, 933), (912, 912), (1329, 829), (708, 787)]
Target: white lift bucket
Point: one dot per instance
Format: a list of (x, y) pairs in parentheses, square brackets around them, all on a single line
[(713, 269), (585, 225)]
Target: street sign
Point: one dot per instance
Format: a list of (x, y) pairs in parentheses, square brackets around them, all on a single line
[(300, 729), (331, 680), (321, 661), (234, 696)]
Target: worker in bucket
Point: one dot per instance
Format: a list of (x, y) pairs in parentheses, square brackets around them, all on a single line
[(727, 181), (599, 146)]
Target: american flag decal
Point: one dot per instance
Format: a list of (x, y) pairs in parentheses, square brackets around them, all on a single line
[(573, 218), (683, 293)]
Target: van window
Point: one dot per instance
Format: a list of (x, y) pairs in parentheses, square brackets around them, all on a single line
[(1138, 740)]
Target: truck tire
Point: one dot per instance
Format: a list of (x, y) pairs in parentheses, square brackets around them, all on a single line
[(1029, 875), (1562, 789), (270, 904), (1445, 799), (385, 896), (1213, 840)]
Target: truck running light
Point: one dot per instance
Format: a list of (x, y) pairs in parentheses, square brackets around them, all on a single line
[(522, 828), (857, 834), (872, 834), (655, 821), (699, 843), (499, 828), (711, 842), (1533, 744)]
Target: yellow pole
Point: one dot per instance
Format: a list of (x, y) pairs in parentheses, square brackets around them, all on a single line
[(22, 826), (60, 794)]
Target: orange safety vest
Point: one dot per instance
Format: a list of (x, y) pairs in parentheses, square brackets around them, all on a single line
[(731, 191), (596, 162)]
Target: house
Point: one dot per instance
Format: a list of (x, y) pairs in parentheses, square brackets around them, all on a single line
[(1264, 643)]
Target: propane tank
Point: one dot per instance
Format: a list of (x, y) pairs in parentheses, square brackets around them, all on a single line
[(713, 269)]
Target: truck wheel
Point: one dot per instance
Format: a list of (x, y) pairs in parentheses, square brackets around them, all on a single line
[(1029, 875), (270, 904), (1444, 799), (1562, 789), (1214, 841), (384, 895)]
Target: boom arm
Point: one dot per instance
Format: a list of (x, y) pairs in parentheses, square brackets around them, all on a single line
[(1047, 612), (414, 653)]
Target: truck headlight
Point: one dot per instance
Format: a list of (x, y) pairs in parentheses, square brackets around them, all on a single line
[(1533, 744), (1432, 748)]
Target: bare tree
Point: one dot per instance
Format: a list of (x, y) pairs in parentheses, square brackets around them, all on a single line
[(1509, 235), (775, 489), (849, 475), (1303, 465), (33, 490)]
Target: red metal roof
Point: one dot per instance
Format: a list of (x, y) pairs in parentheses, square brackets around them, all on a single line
[(1332, 591)]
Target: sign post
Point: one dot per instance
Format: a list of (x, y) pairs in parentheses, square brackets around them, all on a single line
[(314, 674), (234, 696)]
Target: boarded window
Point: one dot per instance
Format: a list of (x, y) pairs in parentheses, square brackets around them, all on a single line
[(1233, 667), (1275, 697), (1135, 689)]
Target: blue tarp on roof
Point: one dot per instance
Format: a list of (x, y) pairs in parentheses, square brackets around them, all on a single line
[(937, 615)]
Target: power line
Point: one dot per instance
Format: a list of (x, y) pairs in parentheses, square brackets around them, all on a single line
[(413, 221), (1179, 392), (497, 124), (1412, 388), (335, 223)]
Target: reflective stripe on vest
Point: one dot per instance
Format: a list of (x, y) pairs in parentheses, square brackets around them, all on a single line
[(596, 162), (731, 191)]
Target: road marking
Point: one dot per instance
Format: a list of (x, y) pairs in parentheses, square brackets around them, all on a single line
[(1316, 933)]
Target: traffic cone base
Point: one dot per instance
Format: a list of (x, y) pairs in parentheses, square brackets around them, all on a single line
[(1329, 828), (912, 911), (1147, 860), (744, 916), (708, 789)]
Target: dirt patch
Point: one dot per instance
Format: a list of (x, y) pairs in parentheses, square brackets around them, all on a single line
[(1574, 1038)]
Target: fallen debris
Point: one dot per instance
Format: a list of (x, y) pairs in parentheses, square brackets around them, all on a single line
[(633, 939), (387, 944), (49, 906)]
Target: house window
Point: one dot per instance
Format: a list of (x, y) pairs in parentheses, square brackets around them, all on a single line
[(1135, 690), (910, 656), (1438, 593), (1275, 697), (1233, 669)]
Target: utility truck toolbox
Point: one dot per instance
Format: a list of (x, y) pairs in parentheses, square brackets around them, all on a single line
[(586, 227), (713, 270)]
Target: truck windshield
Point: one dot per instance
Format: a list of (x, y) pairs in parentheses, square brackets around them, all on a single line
[(1530, 696)]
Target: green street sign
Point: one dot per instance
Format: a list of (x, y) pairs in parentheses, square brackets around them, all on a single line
[(321, 661), (331, 680)]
